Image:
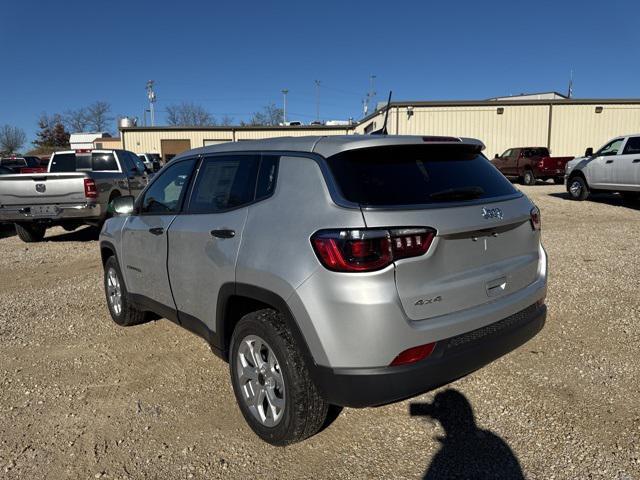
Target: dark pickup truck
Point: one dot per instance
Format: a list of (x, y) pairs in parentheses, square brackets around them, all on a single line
[(530, 164)]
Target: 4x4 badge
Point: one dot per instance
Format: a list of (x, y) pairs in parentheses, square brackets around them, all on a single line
[(489, 213)]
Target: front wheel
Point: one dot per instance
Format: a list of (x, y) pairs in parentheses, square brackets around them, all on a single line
[(30, 232), (528, 178), (577, 188), (120, 308), (271, 381)]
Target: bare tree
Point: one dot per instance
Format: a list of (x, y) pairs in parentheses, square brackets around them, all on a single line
[(76, 120), (270, 115), (12, 139), (98, 117), (188, 114), (226, 121)]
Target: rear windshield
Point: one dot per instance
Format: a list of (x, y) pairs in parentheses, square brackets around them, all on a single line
[(416, 175), (70, 162), (536, 152)]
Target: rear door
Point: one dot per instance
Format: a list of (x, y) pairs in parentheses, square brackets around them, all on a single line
[(627, 165), (485, 246), (204, 241), (144, 236)]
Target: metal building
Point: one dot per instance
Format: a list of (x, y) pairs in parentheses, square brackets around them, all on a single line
[(566, 126)]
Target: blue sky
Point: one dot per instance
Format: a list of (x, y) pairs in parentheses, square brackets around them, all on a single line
[(235, 57)]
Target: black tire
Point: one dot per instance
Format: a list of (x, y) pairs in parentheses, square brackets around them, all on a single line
[(305, 411), (558, 180), (528, 178), (30, 232), (127, 314), (577, 188)]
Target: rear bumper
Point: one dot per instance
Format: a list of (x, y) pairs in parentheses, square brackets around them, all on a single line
[(59, 212), (452, 358)]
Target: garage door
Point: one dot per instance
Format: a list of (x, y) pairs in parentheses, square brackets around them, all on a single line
[(171, 148)]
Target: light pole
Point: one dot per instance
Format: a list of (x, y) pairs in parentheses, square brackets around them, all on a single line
[(151, 95), (284, 105), (317, 82)]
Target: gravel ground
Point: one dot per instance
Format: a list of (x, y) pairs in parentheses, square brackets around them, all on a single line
[(83, 398)]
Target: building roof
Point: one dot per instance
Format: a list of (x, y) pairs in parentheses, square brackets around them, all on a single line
[(327, 145)]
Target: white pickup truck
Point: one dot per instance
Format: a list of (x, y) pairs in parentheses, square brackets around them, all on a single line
[(75, 190)]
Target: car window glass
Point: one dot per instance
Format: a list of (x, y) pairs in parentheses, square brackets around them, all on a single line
[(632, 146), (611, 148), (223, 183), (127, 164), (102, 162), (267, 176), (506, 154), (137, 162), (166, 192)]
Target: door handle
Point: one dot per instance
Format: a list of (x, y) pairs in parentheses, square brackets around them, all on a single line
[(156, 230), (223, 233), (637, 160), (609, 161)]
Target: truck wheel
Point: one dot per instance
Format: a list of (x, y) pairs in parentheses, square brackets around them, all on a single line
[(558, 180), (577, 188), (117, 297), (528, 178), (271, 381), (30, 233)]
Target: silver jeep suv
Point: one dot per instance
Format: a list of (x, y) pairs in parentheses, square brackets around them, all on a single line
[(350, 271)]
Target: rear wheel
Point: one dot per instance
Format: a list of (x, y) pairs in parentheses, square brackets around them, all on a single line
[(528, 178), (271, 381), (30, 232), (577, 188), (558, 180), (121, 310)]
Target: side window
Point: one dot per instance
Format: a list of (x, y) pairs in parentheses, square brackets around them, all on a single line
[(506, 154), (632, 146), (102, 162), (137, 162), (125, 162), (611, 148), (267, 176), (166, 192), (224, 182)]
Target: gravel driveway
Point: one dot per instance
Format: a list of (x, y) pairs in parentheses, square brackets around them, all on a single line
[(83, 398)]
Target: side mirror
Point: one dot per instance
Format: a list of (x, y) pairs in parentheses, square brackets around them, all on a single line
[(588, 152), (497, 156), (121, 205)]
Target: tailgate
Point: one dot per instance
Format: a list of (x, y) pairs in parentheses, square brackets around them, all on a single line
[(41, 189), (556, 163), (472, 260)]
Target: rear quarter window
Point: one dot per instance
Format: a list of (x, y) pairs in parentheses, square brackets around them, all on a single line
[(407, 175)]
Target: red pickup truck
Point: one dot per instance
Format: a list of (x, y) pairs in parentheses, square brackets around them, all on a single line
[(530, 164)]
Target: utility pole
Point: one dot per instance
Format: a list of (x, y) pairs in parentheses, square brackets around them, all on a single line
[(284, 105), (151, 95), (317, 82)]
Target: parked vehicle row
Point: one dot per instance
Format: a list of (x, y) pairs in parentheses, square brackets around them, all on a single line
[(26, 164), (75, 190), (352, 271), (613, 168), (529, 164)]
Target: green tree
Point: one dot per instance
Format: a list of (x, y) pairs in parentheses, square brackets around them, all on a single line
[(52, 134)]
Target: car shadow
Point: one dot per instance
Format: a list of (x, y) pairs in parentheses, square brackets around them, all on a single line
[(7, 230), (605, 198), (466, 451), (86, 234)]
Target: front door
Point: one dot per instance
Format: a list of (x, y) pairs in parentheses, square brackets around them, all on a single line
[(601, 168), (144, 236), (627, 167), (204, 241)]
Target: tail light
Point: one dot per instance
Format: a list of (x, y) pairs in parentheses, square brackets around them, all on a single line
[(367, 250), (536, 221), (90, 189), (413, 355)]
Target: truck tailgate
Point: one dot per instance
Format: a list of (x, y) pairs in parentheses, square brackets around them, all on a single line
[(42, 188)]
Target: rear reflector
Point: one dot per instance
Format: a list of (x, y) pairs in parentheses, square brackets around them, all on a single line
[(90, 190), (367, 250), (413, 355), (536, 220)]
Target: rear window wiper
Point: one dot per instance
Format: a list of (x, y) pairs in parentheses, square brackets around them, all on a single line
[(462, 193)]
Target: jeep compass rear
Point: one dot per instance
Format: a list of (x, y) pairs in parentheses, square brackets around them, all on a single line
[(353, 271)]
